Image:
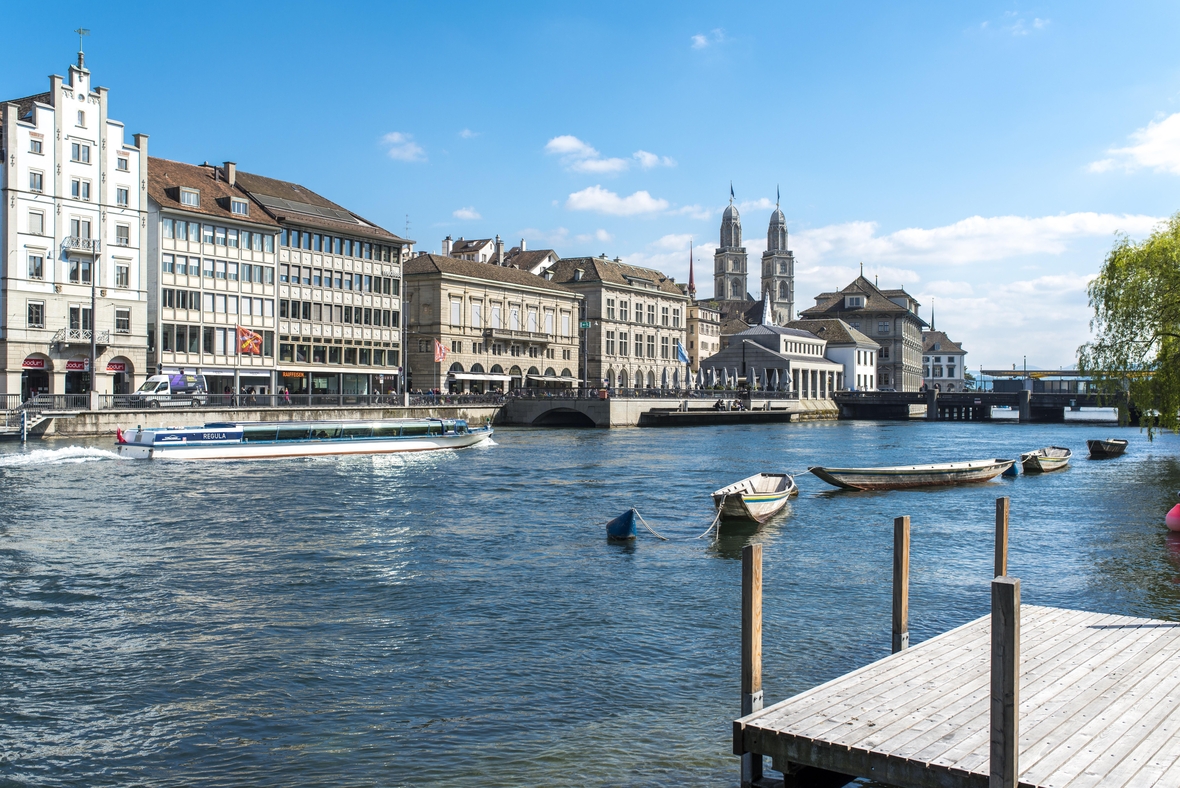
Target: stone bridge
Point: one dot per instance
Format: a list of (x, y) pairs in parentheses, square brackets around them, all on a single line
[(630, 411), (964, 405)]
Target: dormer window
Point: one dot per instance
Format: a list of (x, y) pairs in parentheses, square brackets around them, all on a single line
[(854, 302), (190, 197), (239, 207)]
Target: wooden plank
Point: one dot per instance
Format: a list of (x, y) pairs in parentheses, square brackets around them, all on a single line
[(751, 650), (1002, 507), (1005, 669), (901, 583)]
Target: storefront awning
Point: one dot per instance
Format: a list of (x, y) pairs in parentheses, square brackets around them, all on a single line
[(553, 379), (478, 376)]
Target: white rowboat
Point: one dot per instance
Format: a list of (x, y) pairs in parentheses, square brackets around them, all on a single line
[(902, 476), (756, 498), (1050, 458)]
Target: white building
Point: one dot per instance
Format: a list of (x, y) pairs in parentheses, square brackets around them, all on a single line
[(846, 346), (943, 362), (74, 230)]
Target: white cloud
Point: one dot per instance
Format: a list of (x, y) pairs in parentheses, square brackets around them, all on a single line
[(971, 240), (600, 200), (468, 134), (556, 236), (401, 146), (1157, 146), (695, 211), (703, 40), (597, 235), (579, 156), (761, 204), (467, 214)]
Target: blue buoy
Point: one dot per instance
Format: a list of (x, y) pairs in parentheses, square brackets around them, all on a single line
[(622, 527)]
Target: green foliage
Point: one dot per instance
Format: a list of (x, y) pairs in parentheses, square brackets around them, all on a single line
[(1136, 302)]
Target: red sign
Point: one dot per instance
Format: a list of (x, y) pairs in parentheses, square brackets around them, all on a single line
[(78, 365), (116, 366), (292, 374), (34, 363)]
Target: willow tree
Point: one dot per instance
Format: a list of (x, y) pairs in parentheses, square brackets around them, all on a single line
[(1136, 325)]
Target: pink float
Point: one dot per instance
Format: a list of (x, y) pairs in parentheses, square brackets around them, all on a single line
[(1173, 518)]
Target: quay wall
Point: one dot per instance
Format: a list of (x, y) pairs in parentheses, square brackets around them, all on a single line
[(104, 422)]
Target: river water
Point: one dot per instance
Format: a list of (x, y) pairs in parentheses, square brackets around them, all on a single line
[(459, 619)]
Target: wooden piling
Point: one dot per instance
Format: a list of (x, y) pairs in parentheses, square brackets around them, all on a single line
[(901, 583), (1005, 681), (751, 650), (1002, 507)]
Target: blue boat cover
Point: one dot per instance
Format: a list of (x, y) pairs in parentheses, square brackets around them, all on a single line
[(623, 526)]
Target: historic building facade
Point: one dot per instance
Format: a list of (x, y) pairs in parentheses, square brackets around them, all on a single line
[(777, 276), (704, 333), (890, 318), (74, 231), (499, 327), (211, 268), (637, 320), (943, 362)]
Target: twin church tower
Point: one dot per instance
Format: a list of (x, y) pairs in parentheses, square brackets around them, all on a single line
[(778, 269)]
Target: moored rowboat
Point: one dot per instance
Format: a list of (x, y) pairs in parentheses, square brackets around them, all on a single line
[(758, 497), (1103, 449), (904, 476), (1050, 458)]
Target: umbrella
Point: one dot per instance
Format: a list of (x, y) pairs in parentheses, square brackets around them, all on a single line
[(664, 379), (724, 377), (735, 377), (676, 379), (712, 376), (776, 381)]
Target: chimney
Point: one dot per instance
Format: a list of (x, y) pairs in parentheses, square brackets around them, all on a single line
[(499, 251), (523, 248), (231, 172), (446, 247)]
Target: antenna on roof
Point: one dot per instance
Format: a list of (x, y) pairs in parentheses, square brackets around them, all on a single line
[(81, 58), (862, 269), (931, 313)]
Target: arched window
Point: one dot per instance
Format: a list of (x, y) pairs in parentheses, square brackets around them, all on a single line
[(549, 373), (783, 292), (623, 379), (651, 380), (456, 367), (497, 369), (735, 290), (782, 268), (477, 367)]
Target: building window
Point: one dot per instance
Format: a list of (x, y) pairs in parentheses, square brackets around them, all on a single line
[(884, 354), (80, 228), (122, 235), (220, 268), (80, 189), (36, 222), (36, 266), (456, 312), (676, 318), (664, 316), (638, 344), (191, 197), (240, 207), (81, 118), (610, 343), (457, 346), (664, 347), (623, 347), (123, 321), (79, 270), (651, 314), (623, 311), (651, 345), (36, 314), (231, 238), (122, 276), (122, 196), (35, 146), (610, 309), (121, 164), (80, 153), (219, 236), (883, 327), (36, 181)]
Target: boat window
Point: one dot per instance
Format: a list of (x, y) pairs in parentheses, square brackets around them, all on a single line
[(435, 429), (326, 432), (386, 431), (293, 433), (258, 434), (414, 429), (461, 428), (358, 431)]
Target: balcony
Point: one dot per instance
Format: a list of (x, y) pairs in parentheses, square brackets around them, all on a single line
[(80, 336), (517, 336), (79, 244)]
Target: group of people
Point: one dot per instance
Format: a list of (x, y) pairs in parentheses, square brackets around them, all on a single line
[(736, 404)]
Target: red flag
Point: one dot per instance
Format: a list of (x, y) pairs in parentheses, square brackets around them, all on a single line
[(249, 342), (440, 352)]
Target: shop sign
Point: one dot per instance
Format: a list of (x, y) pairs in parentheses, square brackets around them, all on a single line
[(78, 365), (116, 366), (292, 374), (34, 363)]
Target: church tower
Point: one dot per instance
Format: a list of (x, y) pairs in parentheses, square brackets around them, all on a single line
[(778, 270), (729, 261)]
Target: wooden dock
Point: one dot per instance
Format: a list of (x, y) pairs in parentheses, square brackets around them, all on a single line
[(1095, 701)]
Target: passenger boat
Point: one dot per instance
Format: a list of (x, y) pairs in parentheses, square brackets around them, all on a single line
[(1104, 449), (622, 527), (902, 476), (263, 440), (1050, 458), (756, 498)]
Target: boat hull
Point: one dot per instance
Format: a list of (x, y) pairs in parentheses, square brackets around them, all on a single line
[(904, 477), (310, 448), (752, 505), (1039, 462), (622, 528), (1105, 449)]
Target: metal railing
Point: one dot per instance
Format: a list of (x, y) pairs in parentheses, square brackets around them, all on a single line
[(39, 403), (80, 243), (72, 335)]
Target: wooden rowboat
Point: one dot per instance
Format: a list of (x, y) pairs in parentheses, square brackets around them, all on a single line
[(756, 498), (1050, 458), (1103, 449), (622, 527), (904, 476)]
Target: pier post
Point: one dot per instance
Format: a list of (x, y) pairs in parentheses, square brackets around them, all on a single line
[(901, 583), (1024, 398), (932, 404), (751, 650), (1002, 507), (1005, 704)]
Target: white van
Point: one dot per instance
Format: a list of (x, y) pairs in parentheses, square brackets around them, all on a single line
[(179, 390)]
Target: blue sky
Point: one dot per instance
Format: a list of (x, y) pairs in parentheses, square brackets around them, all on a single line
[(982, 155)]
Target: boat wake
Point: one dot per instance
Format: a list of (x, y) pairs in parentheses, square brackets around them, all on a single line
[(70, 455)]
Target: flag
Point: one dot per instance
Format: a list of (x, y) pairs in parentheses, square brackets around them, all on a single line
[(680, 354), (440, 352), (731, 190), (249, 342)]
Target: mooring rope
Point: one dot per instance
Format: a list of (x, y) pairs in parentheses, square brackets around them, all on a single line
[(648, 527), (710, 528)]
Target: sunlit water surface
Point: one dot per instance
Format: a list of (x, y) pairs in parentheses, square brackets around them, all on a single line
[(459, 619)]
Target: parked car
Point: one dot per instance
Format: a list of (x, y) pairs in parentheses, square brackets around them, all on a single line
[(171, 390)]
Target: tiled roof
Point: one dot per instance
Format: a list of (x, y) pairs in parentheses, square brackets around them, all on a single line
[(876, 300), (789, 331), (435, 263), (600, 269), (526, 260), (25, 105), (290, 202), (165, 178), (463, 245), (833, 331), (945, 343)]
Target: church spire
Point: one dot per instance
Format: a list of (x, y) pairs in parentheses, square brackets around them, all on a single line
[(692, 285)]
